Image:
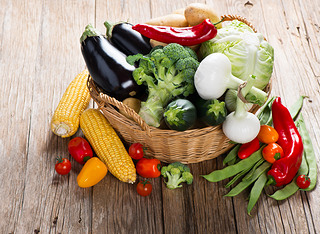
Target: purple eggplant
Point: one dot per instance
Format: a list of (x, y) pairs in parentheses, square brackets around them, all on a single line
[(108, 66)]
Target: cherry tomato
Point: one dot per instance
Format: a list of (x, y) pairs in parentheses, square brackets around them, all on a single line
[(63, 166), (80, 149), (148, 168), (267, 134), (272, 152), (303, 181), (144, 188), (136, 151)]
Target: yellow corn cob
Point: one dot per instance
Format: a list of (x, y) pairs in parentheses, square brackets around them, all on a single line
[(66, 118), (107, 145)]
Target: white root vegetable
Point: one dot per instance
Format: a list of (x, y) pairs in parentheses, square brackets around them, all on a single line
[(213, 77), (241, 126)]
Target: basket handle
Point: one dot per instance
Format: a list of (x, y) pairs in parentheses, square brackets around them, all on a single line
[(102, 99), (240, 18)]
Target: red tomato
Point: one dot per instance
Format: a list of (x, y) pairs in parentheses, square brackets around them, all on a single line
[(80, 149), (148, 168), (144, 188), (136, 151), (303, 181), (63, 166)]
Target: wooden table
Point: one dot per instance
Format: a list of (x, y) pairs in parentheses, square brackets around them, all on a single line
[(40, 55)]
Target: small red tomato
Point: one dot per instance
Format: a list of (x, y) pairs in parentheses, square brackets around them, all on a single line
[(144, 188), (136, 151), (303, 181), (63, 166), (148, 168), (80, 150)]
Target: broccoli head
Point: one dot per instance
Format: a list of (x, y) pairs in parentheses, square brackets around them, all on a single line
[(167, 72), (176, 173)]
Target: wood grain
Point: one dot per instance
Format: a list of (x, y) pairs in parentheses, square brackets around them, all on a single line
[(40, 55)]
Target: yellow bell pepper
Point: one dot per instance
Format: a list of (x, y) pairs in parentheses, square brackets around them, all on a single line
[(93, 171)]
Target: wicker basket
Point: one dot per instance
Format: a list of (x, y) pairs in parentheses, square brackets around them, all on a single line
[(191, 146)]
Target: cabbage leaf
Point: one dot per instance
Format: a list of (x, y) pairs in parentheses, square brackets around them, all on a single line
[(247, 51)]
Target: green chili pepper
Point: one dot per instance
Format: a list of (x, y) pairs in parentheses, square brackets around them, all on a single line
[(232, 170), (244, 184), (256, 191), (309, 153)]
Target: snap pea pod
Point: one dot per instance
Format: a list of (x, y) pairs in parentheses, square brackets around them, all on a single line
[(232, 170), (232, 155), (292, 187), (256, 191), (309, 153), (244, 184)]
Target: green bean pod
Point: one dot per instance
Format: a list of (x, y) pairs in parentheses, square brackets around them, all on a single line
[(232, 170), (236, 177), (309, 154), (232, 155), (245, 183), (256, 191)]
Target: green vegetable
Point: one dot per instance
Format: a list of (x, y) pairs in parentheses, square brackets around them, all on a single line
[(180, 115), (231, 101), (256, 191), (167, 72), (219, 175), (176, 173), (212, 112), (248, 52), (246, 183), (308, 153), (213, 77)]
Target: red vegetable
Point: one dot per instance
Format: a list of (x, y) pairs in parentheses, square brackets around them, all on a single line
[(80, 149), (63, 166), (272, 152), (148, 168), (186, 36), (249, 148), (136, 151), (144, 188), (284, 170), (303, 181)]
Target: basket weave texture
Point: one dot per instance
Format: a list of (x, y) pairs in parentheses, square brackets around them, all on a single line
[(190, 146)]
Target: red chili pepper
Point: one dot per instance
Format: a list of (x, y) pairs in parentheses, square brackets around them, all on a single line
[(186, 36), (249, 148), (80, 149), (284, 170), (148, 168)]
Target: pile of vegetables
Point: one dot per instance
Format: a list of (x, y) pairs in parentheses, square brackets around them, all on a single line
[(281, 155), (182, 69)]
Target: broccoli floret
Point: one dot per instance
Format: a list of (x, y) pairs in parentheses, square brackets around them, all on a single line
[(167, 72), (176, 173)]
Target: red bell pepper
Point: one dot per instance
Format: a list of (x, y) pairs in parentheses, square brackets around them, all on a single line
[(80, 150), (186, 36), (249, 148), (148, 168), (284, 170)]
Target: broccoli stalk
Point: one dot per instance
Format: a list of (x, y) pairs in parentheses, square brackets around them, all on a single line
[(176, 174), (167, 72)]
